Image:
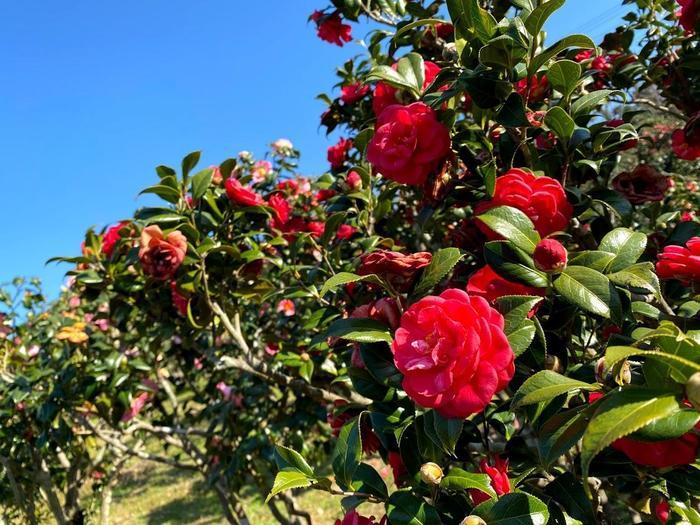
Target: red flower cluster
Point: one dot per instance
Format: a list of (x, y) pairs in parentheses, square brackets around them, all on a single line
[(486, 283), (536, 91), (499, 479), (240, 194), (542, 199), (680, 262), (161, 255), (686, 142), (331, 28), (351, 93), (409, 143), (453, 353), (397, 268), (689, 14), (338, 153), (643, 184), (111, 236), (386, 95)]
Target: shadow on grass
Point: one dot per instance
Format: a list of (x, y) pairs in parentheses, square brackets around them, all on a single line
[(197, 507)]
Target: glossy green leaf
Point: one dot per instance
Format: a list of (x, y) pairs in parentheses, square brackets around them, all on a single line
[(342, 278), (570, 494), (627, 246), (593, 259), (403, 508), (513, 264), (360, 330), (561, 432), (458, 479), (516, 508), (546, 385), (164, 192), (189, 162), (564, 75), (441, 264), (579, 41), (201, 182), (512, 224), (536, 19), (559, 121), (512, 114), (348, 453), (586, 288)]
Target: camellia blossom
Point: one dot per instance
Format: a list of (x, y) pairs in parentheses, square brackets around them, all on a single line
[(643, 184), (354, 181), (111, 236), (542, 199), (399, 269), (345, 232), (338, 153), (331, 28), (499, 479), (536, 91), (351, 93), (262, 169), (179, 301), (283, 147), (689, 14), (686, 142), (386, 95), (486, 283), (680, 262), (409, 143), (161, 255), (453, 353), (286, 307), (239, 194)]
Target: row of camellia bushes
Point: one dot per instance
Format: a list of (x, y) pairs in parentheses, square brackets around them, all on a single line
[(493, 292)]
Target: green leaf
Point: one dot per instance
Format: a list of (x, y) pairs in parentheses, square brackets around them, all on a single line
[(164, 192), (287, 480), (516, 508), (620, 414), (441, 264), (418, 23), (469, 18), (360, 330), (513, 264), (627, 246), (640, 276), (189, 162), (671, 427), (348, 453), (580, 41), (391, 77), (342, 278), (593, 259), (568, 491), (564, 75), (444, 432), (403, 508), (521, 337), (561, 432), (412, 69), (681, 367), (512, 114), (368, 481), (512, 224), (669, 339), (546, 385), (560, 123), (588, 101), (201, 182), (535, 21), (458, 479), (586, 288), (287, 458)]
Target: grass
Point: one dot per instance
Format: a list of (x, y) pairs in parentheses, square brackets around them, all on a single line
[(155, 494)]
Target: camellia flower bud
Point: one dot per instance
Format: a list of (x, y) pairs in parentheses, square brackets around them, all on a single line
[(692, 390), (431, 473), (551, 362), (473, 520), (550, 256)]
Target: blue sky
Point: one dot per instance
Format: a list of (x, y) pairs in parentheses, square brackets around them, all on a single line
[(94, 95)]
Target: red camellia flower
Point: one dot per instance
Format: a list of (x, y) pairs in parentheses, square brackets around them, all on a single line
[(351, 93), (409, 143), (689, 14), (453, 353), (161, 255), (316, 228), (386, 95), (643, 184), (398, 469), (354, 180), (179, 301), (281, 209), (486, 283), (680, 262), (397, 268), (353, 518), (499, 479), (686, 142), (542, 199), (331, 28), (111, 236), (324, 195), (240, 194), (550, 255), (339, 152), (345, 231), (662, 511), (537, 90)]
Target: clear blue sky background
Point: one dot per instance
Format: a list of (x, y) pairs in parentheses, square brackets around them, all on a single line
[(94, 95)]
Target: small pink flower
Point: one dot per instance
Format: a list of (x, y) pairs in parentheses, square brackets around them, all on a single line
[(272, 348), (198, 363), (261, 171), (286, 307), (33, 351), (136, 406), (226, 391), (74, 301)]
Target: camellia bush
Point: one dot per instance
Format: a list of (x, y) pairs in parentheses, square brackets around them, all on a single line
[(493, 293)]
